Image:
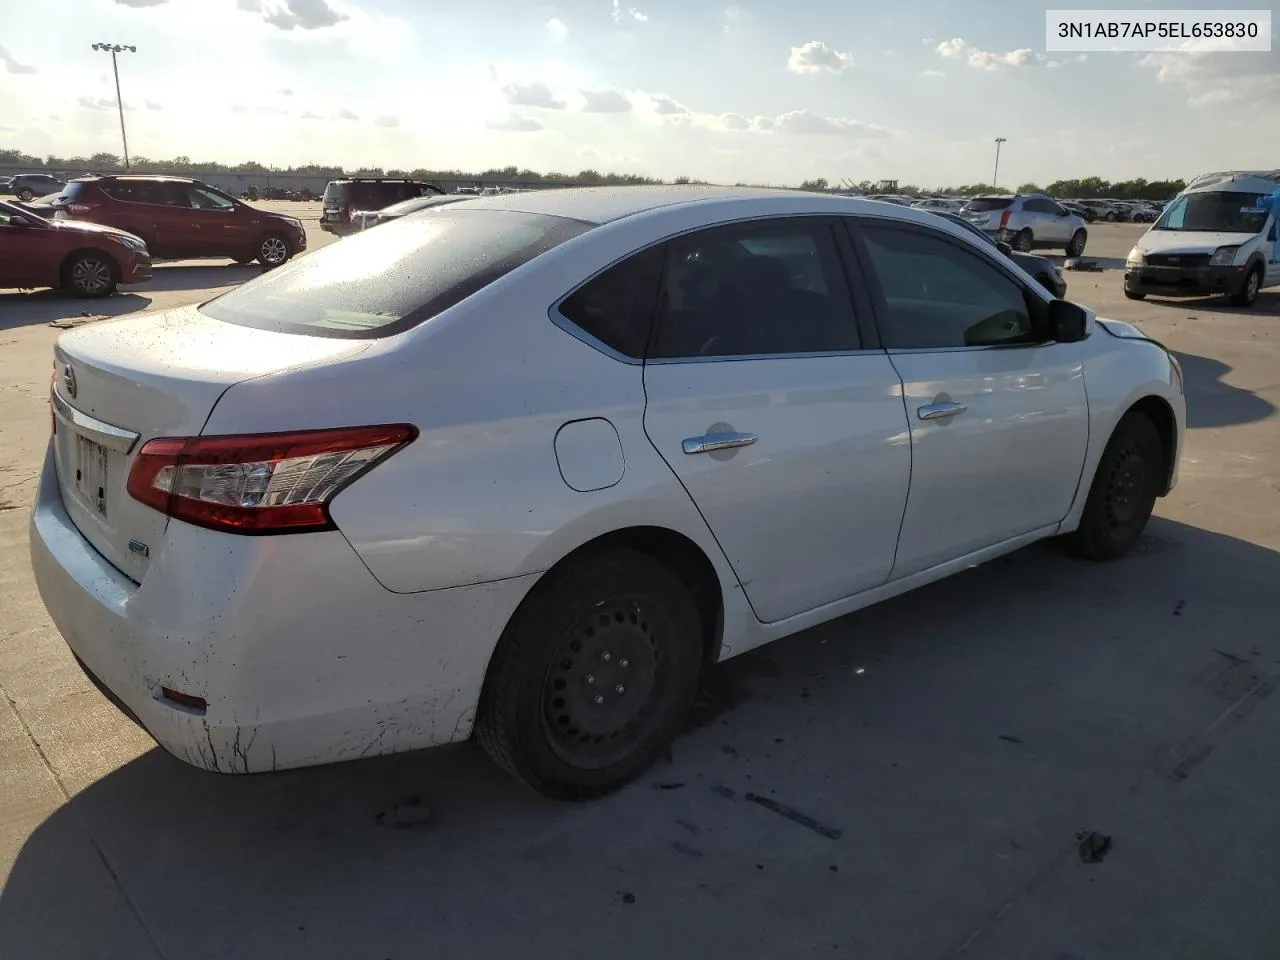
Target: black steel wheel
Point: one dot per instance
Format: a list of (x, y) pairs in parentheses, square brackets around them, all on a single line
[(594, 675), (1128, 480)]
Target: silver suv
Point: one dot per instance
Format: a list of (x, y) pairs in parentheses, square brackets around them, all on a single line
[(1027, 221)]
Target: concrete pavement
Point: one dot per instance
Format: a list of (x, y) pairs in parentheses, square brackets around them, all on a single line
[(907, 782)]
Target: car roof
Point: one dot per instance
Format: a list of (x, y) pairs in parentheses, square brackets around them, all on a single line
[(138, 176), (1236, 181), (600, 205)]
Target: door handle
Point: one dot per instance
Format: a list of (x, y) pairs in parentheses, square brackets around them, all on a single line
[(718, 441), (940, 411)]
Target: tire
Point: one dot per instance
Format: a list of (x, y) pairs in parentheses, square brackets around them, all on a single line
[(587, 626), (1124, 490), (26, 196), (1023, 241), (273, 251), (1248, 294), (1111, 217), (90, 274), (1134, 295), (1075, 246)]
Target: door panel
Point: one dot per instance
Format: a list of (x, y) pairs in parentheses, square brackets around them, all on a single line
[(29, 255), (809, 513), (789, 437), (999, 422)]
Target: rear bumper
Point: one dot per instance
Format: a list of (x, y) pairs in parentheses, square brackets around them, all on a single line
[(276, 634), (1184, 282)]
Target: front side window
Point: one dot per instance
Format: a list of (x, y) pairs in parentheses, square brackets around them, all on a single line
[(381, 282), (750, 289), (936, 295), (202, 198)]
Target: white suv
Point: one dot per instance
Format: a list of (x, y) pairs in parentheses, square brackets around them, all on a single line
[(1028, 221)]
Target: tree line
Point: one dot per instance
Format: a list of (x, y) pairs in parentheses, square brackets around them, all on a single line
[(1088, 187)]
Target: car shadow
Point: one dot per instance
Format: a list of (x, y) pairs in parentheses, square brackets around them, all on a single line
[(1104, 263), (188, 276), (930, 757), (1211, 402), (24, 309)]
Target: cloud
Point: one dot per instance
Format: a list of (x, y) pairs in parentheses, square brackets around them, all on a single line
[(308, 115), (286, 92), (1218, 79), (54, 116), (928, 41), (556, 28), (605, 101), (806, 122), (514, 123), (100, 103), (152, 105), (141, 3), (345, 114), (531, 95), (620, 14), (288, 14), (763, 123), (958, 49), (733, 121), (667, 107), (13, 66), (386, 120), (815, 56), (891, 53), (935, 74)]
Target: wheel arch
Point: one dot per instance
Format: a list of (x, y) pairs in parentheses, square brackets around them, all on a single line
[(1160, 413)]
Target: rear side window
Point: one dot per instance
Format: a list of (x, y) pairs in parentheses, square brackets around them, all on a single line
[(155, 192), (382, 282), (616, 307)]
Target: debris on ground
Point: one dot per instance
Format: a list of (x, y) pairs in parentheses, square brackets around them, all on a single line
[(1093, 846)]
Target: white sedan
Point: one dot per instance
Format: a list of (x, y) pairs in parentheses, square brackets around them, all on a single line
[(524, 467)]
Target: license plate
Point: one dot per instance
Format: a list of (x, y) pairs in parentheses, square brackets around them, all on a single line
[(91, 474)]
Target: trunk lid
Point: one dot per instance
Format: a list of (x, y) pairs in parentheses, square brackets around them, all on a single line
[(118, 384)]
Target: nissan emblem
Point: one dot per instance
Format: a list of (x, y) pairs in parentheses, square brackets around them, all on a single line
[(69, 381)]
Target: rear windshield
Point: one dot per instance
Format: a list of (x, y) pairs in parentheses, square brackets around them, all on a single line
[(72, 190), (388, 280), (983, 204)]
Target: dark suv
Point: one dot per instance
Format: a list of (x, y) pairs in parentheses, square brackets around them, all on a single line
[(28, 186), (344, 197), (179, 218)]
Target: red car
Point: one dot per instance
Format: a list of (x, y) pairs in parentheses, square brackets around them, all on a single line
[(85, 258), (179, 218)]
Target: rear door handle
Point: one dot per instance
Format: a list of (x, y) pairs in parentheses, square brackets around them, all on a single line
[(940, 411), (718, 441)]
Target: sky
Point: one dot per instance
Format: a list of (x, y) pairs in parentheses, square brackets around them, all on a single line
[(761, 91)]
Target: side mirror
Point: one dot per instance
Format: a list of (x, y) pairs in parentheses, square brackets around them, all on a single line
[(1067, 321), (1004, 247)]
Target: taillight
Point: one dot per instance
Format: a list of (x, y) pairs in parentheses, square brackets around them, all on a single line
[(260, 483), (1004, 219)]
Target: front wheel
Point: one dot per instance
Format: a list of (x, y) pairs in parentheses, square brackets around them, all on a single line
[(1023, 241), (273, 251), (1248, 293), (26, 196), (1125, 486), (1075, 247), (90, 274), (1111, 218), (593, 677)]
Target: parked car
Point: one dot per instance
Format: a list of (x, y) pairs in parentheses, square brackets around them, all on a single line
[(1086, 214), (556, 538), (28, 186), (364, 219), (1103, 209), (1219, 236), (344, 197), (181, 218), (1027, 221), (1045, 271), (85, 259), (939, 205)]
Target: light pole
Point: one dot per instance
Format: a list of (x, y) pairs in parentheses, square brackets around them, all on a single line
[(995, 176), (113, 49)]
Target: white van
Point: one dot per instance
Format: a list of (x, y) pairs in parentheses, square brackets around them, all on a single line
[(1219, 236)]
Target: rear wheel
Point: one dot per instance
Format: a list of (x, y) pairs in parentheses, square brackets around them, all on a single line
[(90, 274), (1248, 293), (1124, 491), (1023, 241), (1075, 247), (26, 195), (273, 250), (593, 677), (1111, 216)]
